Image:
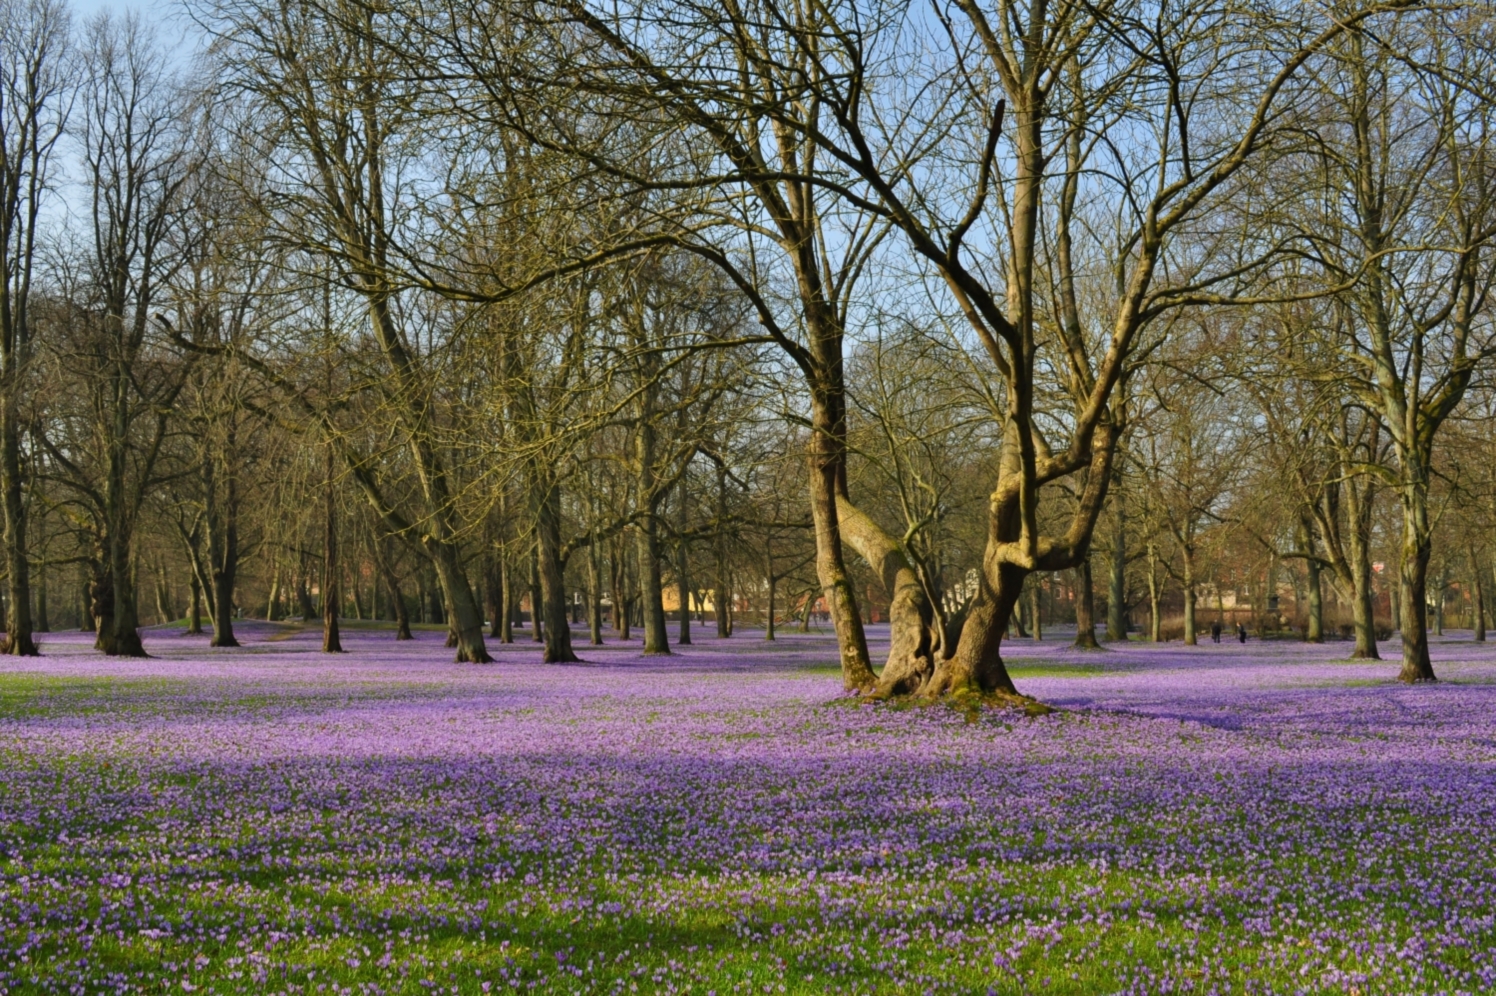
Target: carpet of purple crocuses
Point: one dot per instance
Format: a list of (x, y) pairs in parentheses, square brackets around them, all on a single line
[(1266, 818)]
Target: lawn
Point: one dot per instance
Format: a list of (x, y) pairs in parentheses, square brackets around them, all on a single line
[(1220, 819)]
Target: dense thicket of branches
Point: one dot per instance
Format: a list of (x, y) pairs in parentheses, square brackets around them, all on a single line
[(540, 321)]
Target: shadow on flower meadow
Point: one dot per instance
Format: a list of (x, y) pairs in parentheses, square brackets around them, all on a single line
[(1215, 819)]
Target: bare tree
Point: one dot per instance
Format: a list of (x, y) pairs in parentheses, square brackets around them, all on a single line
[(37, 84)]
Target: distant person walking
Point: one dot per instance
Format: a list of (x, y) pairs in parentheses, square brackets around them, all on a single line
[(1215, 631), (1241, 632)]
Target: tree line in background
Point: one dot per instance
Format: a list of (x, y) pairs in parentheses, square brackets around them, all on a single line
[(967, 318)]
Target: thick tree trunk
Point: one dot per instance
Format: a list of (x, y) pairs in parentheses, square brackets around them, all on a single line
[(827, 456), (1085, 607), (101, 606), (553, 580), (1314, 629), (222, 519), (1416, 551), (194, 605), (392, 585), (462, 606), (914, 643), (125, 641), (652, 589), (303, 596), (18, 639), (976, 666), (402, 613)]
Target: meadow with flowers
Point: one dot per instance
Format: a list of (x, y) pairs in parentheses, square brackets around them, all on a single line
[(270, 819)]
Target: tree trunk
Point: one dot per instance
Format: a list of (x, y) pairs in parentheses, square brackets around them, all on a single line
[(43, 619), (222, 520), (402, 613), (272, 604), (976, 666), (1085, 607), (1190, 637), (1440, 587), (1116, 596), (553, 580), (461, 605), (101, 606), (18, 639), (682, 566), (392, 585), (1314, 630), (331, 639), (1035, 600), (125, 641), (537, 628), (1478, 597), (652, 591), (493, 594), (914, 643), (511, 596), (194, 605), (594, 597), (1416, 550), (769, 616), (303, 596), (827, 456), (1155, 597)]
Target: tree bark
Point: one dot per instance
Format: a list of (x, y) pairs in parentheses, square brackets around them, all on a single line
[(1035, 607), (511, 596), (18, 629), (651, 585), (331, 639), (537, 628), (1190, 636), (194, 605), (682, 566), (222, 520), (392, 585), (1116, 596), (1314, 629), (827, 456), (914, 643), (1085, 607), (769, 615), (1155, 597), (594, 596), (1416, 551), (558, 648)]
